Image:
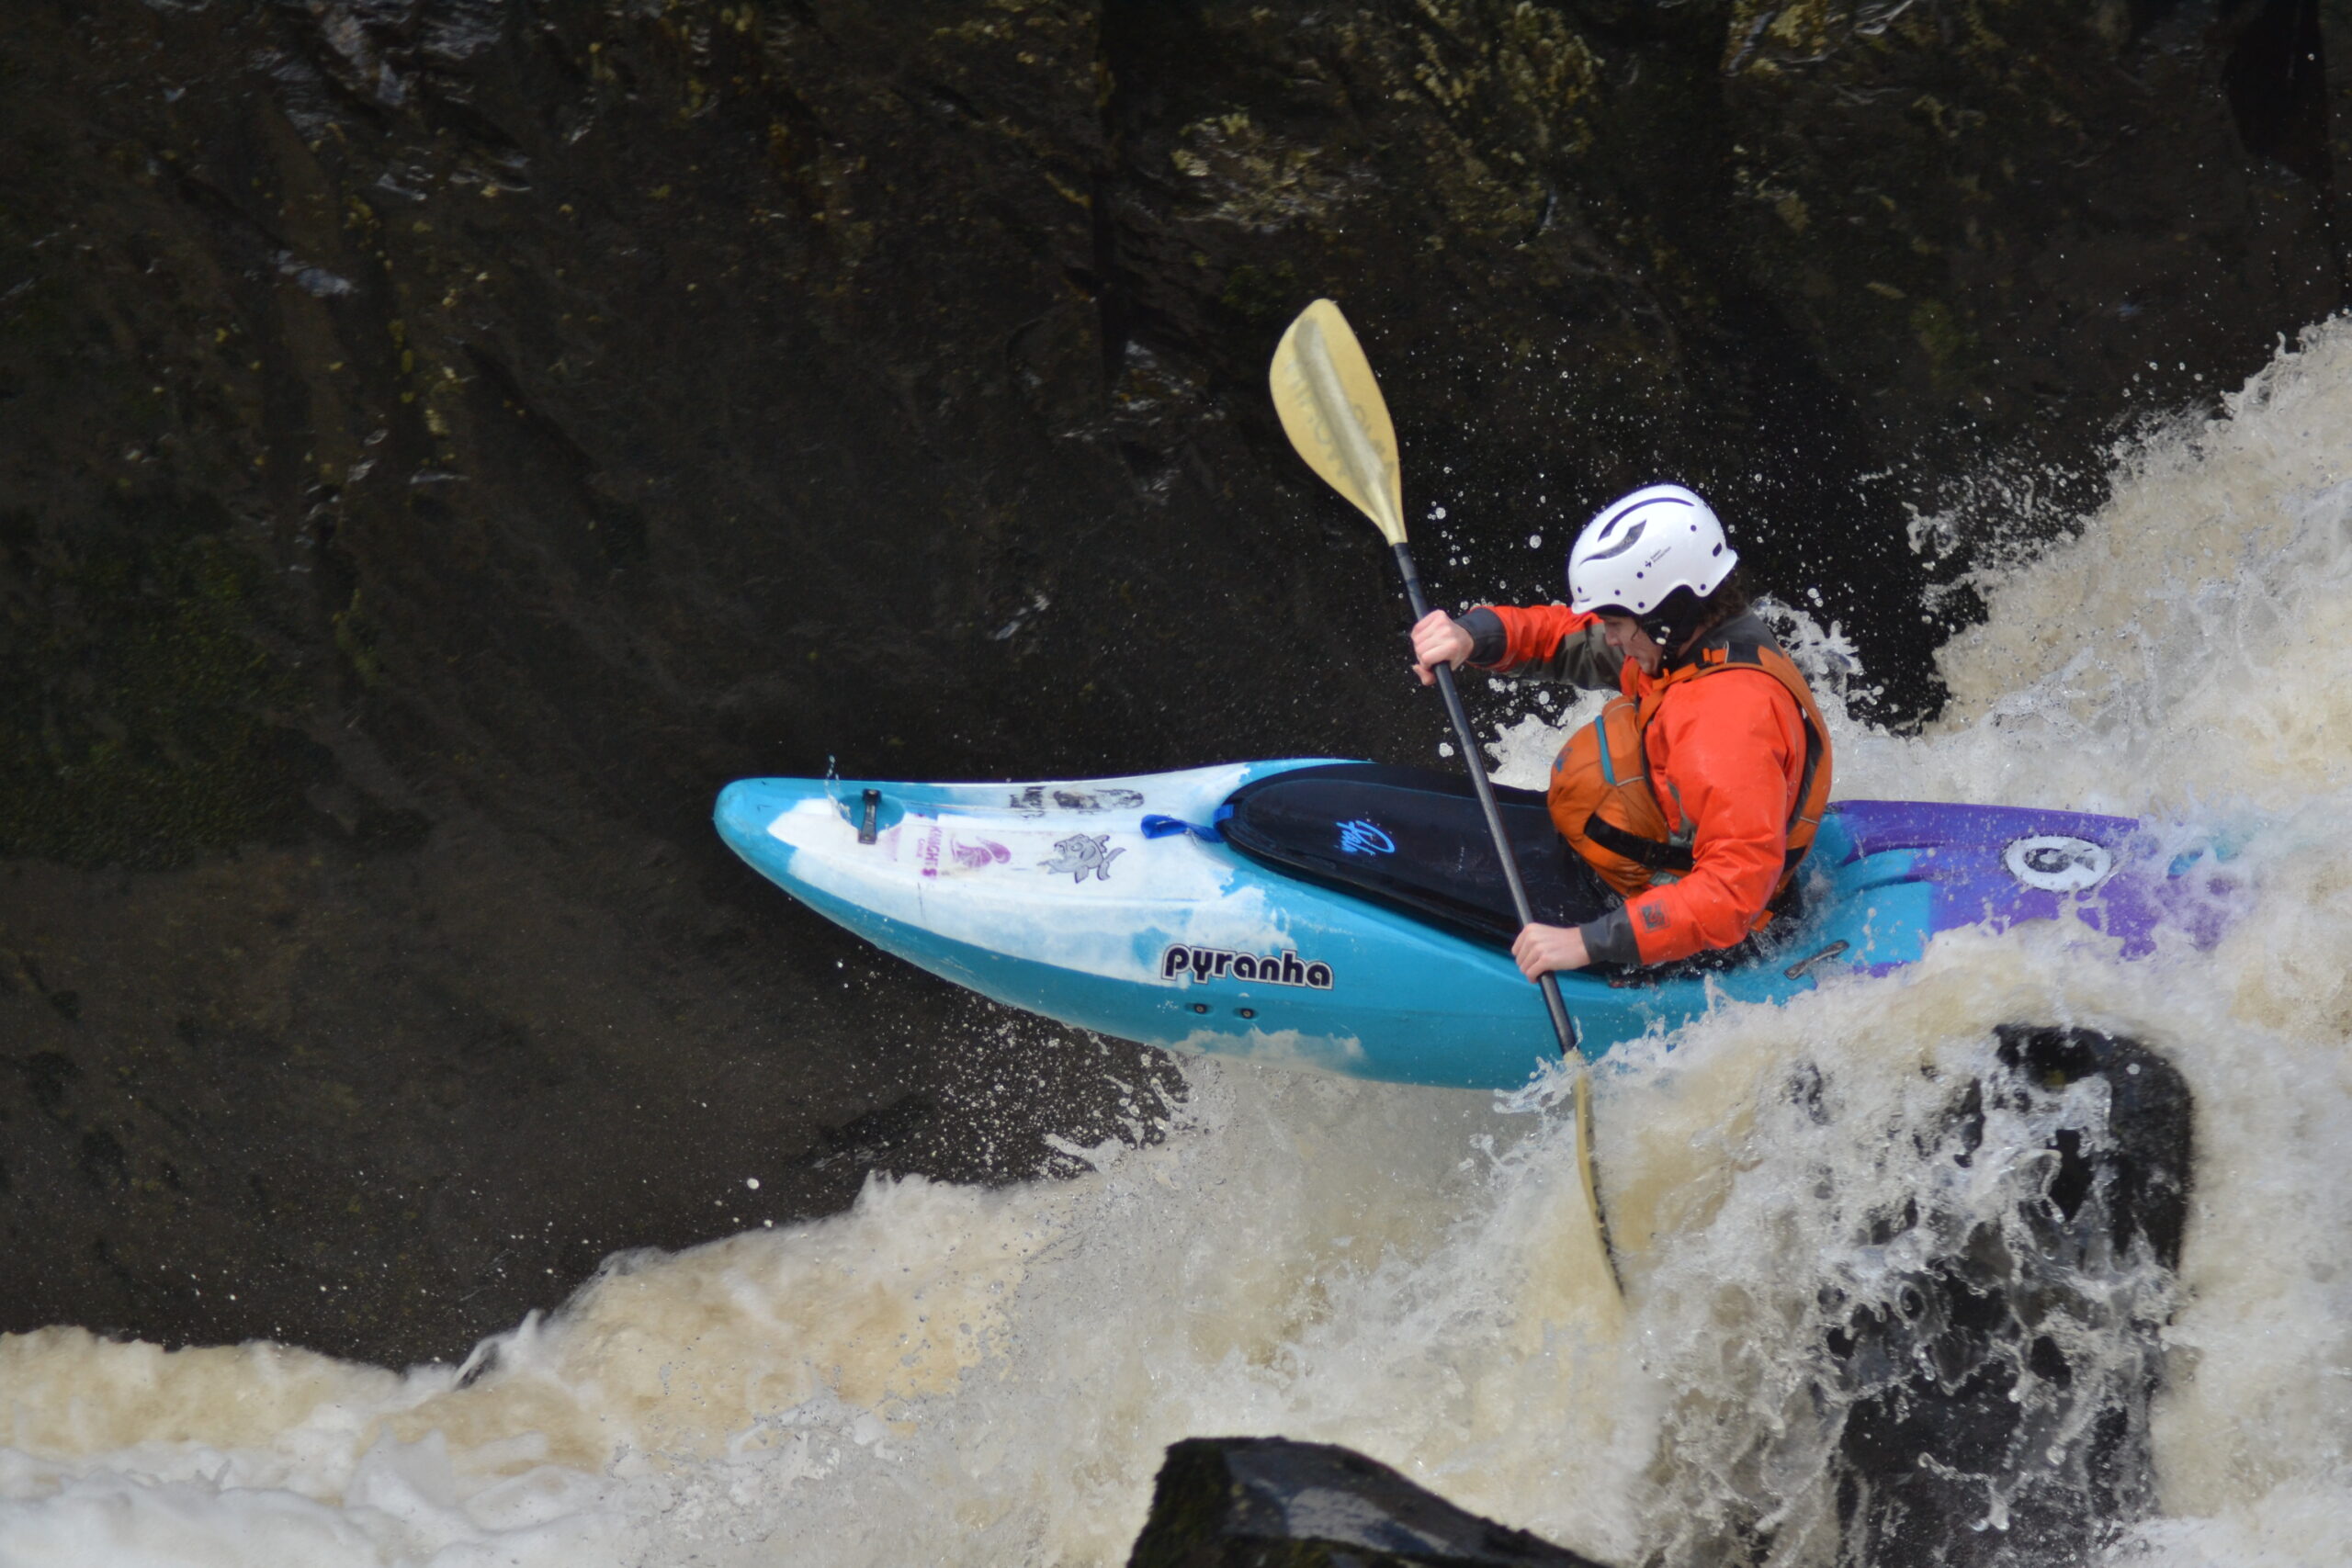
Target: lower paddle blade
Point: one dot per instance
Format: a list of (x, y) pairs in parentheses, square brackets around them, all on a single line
[(1332, 410), (1586, 1169)]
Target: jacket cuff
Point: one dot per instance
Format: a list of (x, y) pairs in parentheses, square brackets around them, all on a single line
[(1609, 939), (1489, 642)]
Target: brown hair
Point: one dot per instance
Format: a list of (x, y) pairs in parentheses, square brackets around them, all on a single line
[(1728, 602), (1682, 609)]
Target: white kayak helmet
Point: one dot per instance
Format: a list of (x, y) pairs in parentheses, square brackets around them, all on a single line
[(1640, 548)]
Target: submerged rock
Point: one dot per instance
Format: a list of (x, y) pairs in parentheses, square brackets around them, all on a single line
[(1967, 1383), (1271, 1503), (1996, 1402)]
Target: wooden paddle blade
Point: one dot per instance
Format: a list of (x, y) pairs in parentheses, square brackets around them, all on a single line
[(1333, 413)]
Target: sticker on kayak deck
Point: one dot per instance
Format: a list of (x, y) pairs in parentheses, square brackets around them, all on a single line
[(976, 855), (1081, 853), (1363, 838), (2055, 862), (979, 855), (1199, 964), (1036, 801)]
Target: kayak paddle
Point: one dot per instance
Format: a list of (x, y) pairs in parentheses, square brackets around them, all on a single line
[(1331, 409)]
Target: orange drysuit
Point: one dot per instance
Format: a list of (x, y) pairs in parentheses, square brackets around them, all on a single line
[(1727, 760)]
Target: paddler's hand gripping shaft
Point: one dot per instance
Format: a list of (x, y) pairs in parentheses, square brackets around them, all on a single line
[(1562, 1025)]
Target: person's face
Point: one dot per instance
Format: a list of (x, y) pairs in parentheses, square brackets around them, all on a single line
[(1625, 635)]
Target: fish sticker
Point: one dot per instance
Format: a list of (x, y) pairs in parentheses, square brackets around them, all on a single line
[(1082, 852)]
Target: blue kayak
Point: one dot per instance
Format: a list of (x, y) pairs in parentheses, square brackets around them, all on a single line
[(1209, 910)]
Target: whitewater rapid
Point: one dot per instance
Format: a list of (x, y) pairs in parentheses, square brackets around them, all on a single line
[(957, 1375)]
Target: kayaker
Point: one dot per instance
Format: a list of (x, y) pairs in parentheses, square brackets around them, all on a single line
[(1697, 791)]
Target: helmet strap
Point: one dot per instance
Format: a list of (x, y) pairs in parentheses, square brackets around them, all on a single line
[(1671, 622)]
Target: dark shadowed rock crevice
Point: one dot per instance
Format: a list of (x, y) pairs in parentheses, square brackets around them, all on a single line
[(440, 442)]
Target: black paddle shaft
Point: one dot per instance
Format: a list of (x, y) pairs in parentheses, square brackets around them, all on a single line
[(1562, 1025)]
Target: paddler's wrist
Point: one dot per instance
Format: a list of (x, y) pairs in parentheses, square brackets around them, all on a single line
[(1489, 642), (1609, 939)]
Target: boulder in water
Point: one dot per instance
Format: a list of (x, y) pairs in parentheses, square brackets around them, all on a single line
[(1995, 1403), (1271, 1503)]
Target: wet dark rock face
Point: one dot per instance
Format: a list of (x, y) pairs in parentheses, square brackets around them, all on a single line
[(1271, 1502), (1978, 1374), (443, 440), (1997, 1407)]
